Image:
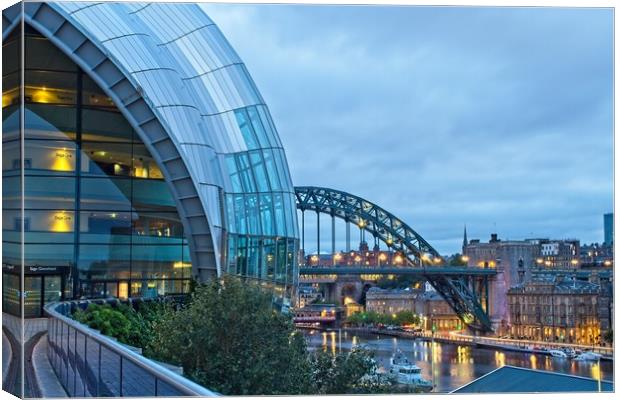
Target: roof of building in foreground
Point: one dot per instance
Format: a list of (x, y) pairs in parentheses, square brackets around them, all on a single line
[(510, 379)]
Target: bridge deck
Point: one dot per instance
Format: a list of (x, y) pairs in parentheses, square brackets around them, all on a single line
[(391, 270)]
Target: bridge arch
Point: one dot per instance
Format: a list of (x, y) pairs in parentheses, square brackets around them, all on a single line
[(370, 217), (463, 292)]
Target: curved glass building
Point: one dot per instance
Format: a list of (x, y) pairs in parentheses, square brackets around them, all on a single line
[(137, 154)]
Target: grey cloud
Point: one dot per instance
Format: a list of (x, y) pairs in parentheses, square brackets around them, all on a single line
[(443, 115)]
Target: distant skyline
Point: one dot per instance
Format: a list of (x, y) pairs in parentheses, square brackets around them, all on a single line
[(498, 118)]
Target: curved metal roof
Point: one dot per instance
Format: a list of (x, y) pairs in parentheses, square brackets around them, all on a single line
[(180, 84)]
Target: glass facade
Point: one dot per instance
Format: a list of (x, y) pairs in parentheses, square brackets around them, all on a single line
[(98, 207), (260, 207), (97, 210)]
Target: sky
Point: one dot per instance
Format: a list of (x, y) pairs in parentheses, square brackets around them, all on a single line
[(497, 118)]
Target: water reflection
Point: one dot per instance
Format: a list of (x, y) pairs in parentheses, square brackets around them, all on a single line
[(453, 365)]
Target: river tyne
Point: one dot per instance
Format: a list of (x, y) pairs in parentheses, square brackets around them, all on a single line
[(453, 365)]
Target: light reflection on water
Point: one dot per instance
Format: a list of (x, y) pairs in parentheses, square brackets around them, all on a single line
[(454, 365)]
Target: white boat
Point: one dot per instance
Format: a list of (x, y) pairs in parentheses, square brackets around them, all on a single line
[(558, 353), (588, 356), (408, 373), (570, 353)]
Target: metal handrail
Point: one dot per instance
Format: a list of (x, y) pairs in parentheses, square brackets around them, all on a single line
[(180, 383)]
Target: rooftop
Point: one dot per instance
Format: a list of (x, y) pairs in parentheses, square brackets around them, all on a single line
[(509, 379), (561, 283)]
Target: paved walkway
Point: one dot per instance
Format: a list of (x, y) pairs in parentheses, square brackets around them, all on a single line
[(6, 355), (44, 374), (31, 326)]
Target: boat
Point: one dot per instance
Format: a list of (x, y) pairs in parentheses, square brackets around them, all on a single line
[(558, 353), (588, 356), (570, 353), (407, 373)]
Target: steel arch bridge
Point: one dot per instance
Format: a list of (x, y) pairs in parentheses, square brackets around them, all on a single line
[(465, 292)]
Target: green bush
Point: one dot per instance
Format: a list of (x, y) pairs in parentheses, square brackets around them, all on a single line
[(122, 322)]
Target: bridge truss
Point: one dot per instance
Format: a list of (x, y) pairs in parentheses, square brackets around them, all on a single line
[(465, 293)]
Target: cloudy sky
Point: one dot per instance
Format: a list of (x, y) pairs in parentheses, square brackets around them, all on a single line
[(498, 118)]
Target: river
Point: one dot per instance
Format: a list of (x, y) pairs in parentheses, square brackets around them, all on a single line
[(454, 365)]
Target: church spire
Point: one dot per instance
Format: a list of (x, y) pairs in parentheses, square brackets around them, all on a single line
[(464, 237)]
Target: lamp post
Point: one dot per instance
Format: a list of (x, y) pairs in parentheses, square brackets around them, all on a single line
[(433, 350)]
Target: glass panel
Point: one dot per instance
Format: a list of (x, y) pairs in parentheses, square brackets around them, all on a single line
[(151, 194), (49, 255), (246, 129), (47, 121), (111, 159), (32, 296), (105, 227), (48, 226), (105, 126), (49, 192), (10, 119), (105, 194), (149, 227), (258, 127), (40, 55), (144, 166), (266, 214), (245, 172), (259, 171), (46, 156), (163, 261), (252, 213), (50, 87), (93, 96), (52, 290), (11, 161), (272, 171), (10, 293), (104, 261)]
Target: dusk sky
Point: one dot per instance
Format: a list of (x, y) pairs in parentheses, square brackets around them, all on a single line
[(498, 118)]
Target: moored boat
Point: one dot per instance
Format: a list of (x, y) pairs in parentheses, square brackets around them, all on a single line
[(407, 373), (588, 356), (558, 353)]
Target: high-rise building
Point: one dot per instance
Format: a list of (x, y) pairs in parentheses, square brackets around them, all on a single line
[(608, 223)]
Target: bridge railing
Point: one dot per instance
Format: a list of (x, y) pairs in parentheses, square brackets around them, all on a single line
[(90, 364)]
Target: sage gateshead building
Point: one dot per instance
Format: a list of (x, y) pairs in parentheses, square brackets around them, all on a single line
[(138, 154)]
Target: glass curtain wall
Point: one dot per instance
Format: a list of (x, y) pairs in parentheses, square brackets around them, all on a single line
[(96, 206), (261, 210)]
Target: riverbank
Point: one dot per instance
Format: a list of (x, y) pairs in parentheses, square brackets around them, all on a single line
[(451, 338)]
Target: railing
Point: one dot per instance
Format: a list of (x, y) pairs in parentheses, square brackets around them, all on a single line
[(90, 364)]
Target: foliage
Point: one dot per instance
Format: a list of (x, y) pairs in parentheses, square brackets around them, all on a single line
[(122, 322), (228, 337), (347, 373), (608, 336), (399, 282), (374, 318), (234, 342), (456, 260)]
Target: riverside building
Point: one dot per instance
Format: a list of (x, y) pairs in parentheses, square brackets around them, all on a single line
[(138, 154)]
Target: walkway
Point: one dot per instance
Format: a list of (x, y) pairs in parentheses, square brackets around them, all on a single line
[(48, 383), (33, 330), (7, 353)]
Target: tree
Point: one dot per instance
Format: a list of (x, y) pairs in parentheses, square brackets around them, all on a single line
[(231, 340), (608, 337), (456, 260), (348, 373)]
